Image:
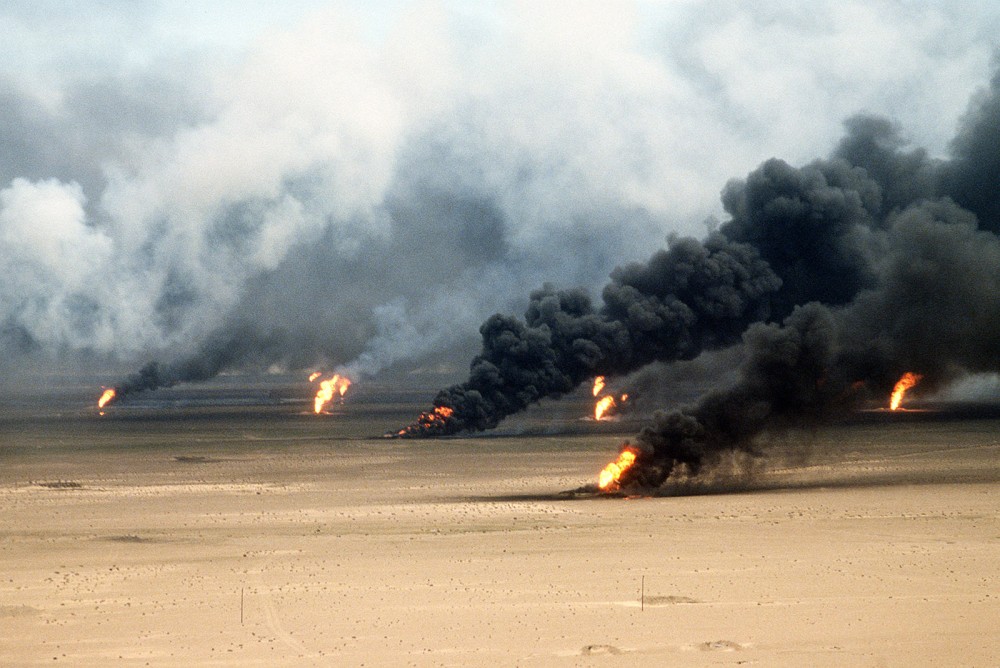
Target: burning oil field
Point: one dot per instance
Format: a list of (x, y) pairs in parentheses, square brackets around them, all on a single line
[(369, 246), (839, 284), (510, 333), (844, 281)]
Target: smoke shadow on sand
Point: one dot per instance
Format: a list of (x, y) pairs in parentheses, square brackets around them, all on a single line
[(957, 464)]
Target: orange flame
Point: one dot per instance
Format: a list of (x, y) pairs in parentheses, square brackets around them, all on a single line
[(604, 404), (314, 375), (607, 404), (335, 385), (108, 395), (433, 418), (610, 477), (907, 381)]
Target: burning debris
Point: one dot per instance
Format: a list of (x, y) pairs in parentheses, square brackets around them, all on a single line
[(431, 423), (907, 381)]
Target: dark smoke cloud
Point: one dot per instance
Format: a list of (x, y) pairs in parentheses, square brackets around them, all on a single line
[(972, 176), (861, 272), (934, 311), (782, 384), (687, 298)]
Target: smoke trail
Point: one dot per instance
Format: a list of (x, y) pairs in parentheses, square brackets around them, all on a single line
[(687, 298)]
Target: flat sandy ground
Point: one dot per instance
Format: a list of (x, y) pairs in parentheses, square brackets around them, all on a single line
[(265, 536)]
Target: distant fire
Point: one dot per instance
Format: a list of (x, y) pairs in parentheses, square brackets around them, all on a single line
[(106, 398), (606, 405), (314, 375), (333, 387), (907, 381), (426, 423), (610, 478), (603, 405)]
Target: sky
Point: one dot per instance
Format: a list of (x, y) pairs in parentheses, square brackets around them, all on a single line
[(358, 185)]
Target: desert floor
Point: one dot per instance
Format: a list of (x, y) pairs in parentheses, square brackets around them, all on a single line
[(268, 536)]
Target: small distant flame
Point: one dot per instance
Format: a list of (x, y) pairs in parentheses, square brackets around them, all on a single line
[(604, 404), (314, 375), (108, 395), (607, 404), (335, 386), (907, 381), (610, 478), (426, 422)]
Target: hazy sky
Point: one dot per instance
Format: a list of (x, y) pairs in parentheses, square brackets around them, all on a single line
[(330, 183)]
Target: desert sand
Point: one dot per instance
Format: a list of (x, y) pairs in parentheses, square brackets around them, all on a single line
[(267, 536)]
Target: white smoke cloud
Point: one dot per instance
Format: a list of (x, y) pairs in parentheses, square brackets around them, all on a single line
[(587, 131), (48, 253)]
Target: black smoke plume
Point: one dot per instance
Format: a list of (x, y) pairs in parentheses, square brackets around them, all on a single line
[(934, 311), (685, 299), (838, 277)]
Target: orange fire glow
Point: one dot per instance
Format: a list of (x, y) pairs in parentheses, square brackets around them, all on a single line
[(610, 478), (336, 385), (108, 395), (314, 375), (603, 405), (907, 381), (606, 405), (427, 420)]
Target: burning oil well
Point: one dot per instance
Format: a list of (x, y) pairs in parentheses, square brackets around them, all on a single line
[(837, 278)]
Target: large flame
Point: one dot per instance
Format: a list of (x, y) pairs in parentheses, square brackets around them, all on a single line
[(106, 398), (907, 381), (336, 385), (610, 478), (598, 385)]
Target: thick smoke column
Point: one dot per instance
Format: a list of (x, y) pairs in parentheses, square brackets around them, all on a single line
[(783, 383), (687, 298), (935, 310), (856, 268), (796, 235), (932, 307)]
